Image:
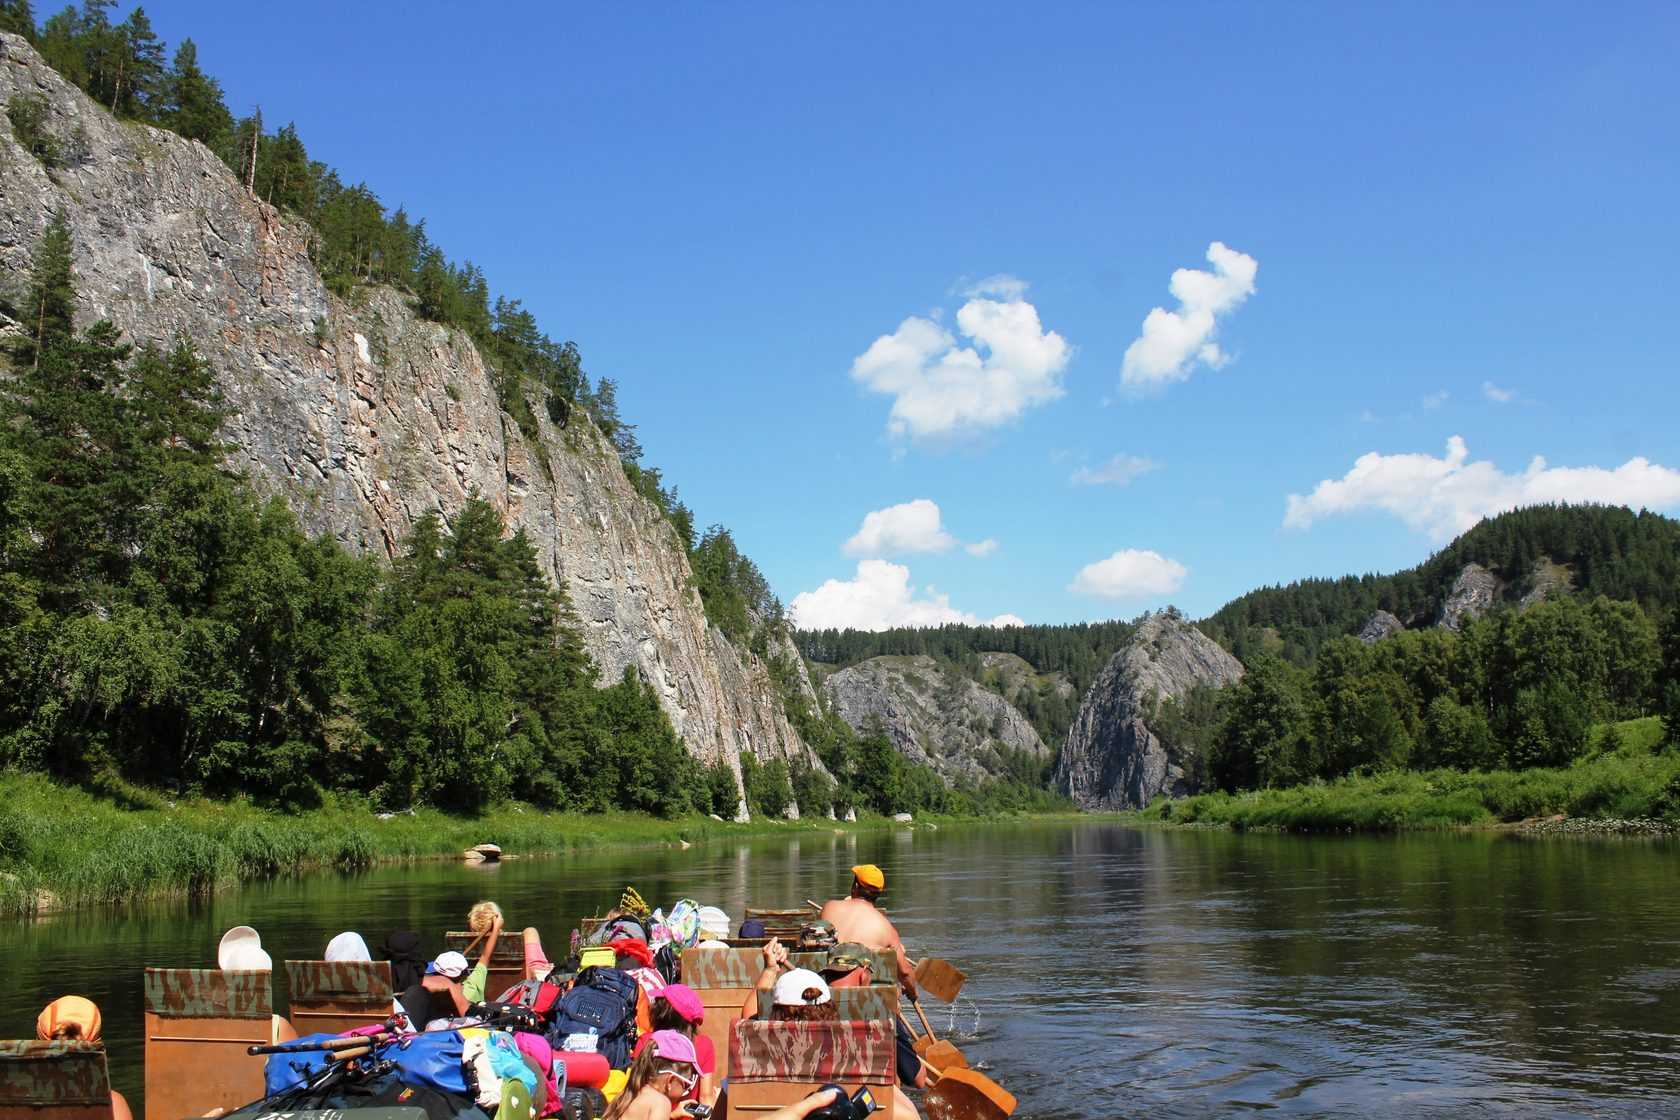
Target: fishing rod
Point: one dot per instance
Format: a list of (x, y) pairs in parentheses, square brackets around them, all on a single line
[(364, 1043)]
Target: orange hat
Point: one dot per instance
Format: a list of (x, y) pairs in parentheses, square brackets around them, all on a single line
[(67, 1012), (870, 876)]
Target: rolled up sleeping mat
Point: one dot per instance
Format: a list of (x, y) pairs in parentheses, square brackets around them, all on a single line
[(589, 1070)]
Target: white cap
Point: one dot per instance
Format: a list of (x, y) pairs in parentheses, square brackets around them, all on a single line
[(348, 946), (714, 922), (241, 951), (791, 988), (450, 964)]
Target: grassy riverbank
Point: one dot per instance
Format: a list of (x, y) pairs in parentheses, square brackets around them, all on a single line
[(1632, 784), (62, 848)]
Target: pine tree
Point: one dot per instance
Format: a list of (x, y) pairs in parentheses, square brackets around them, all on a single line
[(139, 74), (17, 17), (192, 103), (49, 306)]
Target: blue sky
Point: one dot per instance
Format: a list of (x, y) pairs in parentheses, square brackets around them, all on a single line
[(726, 206)]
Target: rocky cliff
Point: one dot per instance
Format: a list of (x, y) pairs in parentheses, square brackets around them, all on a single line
[(938, 718), (361, 415), (1380, 625), (1112, 758), (1475, 592)]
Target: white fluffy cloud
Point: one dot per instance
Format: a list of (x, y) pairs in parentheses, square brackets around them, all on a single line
[(1121, 470), (982, 548), (1444, 497), (941, 388), (1131, 573), (1497, 395), (1173, 343), (907, 527), (880, 597)]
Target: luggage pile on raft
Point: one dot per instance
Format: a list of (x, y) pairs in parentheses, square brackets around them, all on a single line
[(557, 1040)]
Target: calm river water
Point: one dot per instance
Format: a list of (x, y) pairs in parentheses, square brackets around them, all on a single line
[(1115, 971)]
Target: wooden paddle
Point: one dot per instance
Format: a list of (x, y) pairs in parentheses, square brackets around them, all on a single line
[(934, 1052), (957, 1092), (940, 979), (965, 1094)]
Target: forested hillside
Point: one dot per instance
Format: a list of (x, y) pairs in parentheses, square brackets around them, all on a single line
[(1608, 550)]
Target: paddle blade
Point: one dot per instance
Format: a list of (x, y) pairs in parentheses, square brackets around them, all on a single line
[(942, 1055), (940, 979), (963, 1094)]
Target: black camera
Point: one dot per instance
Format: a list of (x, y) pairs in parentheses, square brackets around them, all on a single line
[(855, 1107)]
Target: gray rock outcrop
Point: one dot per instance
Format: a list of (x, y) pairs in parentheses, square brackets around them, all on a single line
[(1380, 625), (937, 718), (1474, 593), (1112, 758), (1546, 580), (360, 414)]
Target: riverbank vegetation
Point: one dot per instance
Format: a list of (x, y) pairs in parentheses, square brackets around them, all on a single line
[(64, 847), (1635, 781)]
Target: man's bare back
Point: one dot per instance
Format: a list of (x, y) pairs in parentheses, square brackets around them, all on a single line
[(857, 919)]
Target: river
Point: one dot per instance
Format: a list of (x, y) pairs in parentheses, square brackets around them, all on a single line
[(1114, 971)]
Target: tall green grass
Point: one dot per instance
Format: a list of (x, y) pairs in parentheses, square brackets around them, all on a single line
[(1633, 783), (63, 847)]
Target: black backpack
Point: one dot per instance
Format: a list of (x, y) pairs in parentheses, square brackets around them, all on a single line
[(602, 1000)]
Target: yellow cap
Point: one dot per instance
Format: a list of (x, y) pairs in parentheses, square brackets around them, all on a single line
[(870, 876)]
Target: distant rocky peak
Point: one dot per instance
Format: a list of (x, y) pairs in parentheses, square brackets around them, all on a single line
[(1113, 759)]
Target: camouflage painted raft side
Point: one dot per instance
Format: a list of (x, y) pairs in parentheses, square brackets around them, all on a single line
[(198, 1023), (337, 996), (54, 1081), (776, 1064)]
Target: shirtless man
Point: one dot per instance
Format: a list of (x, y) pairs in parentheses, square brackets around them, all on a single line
[(857, 919)]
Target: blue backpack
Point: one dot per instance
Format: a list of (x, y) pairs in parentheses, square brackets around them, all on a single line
[(602, 1000)]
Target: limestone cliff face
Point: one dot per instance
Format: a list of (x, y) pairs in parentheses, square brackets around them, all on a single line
[(935, 718), (1112, 759), (362, 416)]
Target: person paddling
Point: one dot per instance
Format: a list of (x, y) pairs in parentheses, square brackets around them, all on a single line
[(856, 918)]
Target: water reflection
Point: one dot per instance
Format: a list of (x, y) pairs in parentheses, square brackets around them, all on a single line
[(1114, 972)]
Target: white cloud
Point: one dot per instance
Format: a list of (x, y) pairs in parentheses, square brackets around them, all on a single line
[(1121, 470), (1001, 285), (982, 548), (1444, 497), (1130, 573), (1497, 395), (906, 527), (940, 388), (880, 597), (1173, 343), (1436, 400)]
